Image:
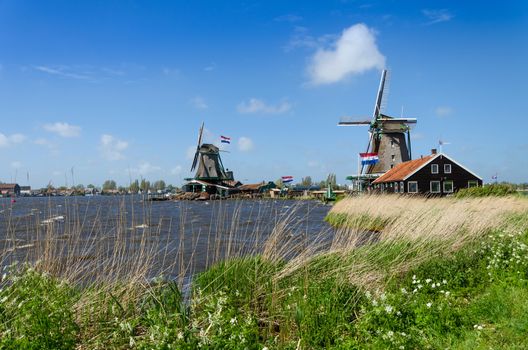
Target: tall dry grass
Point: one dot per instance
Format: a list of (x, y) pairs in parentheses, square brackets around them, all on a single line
[(415, 229)]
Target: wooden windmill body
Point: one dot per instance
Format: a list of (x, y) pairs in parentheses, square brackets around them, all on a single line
[(388, 137)]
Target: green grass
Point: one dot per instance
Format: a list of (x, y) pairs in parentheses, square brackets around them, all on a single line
[(494, 190), (475, 297)]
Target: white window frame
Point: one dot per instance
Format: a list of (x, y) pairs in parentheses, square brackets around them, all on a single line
[(409, 186), (447, 166), (452, 186), (396, 187), (472, 181), (431, 187), (402, 187), (433, 167)]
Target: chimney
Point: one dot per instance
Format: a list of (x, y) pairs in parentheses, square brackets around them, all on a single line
[(433, 151)]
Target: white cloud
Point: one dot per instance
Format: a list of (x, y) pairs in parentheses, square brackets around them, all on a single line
[(9, 140), (63, 129), (437, 16), (176, 170), (112, 148), (16, 164), (199, 103), (145, 168), (443, 111), (354, 52), (245, 144), (255, 105)]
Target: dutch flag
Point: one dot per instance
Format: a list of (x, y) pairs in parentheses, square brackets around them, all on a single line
[(368, 158), (287, 179), (225, 139)]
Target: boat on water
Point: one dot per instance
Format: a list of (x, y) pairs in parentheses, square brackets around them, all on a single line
[(54, 219)]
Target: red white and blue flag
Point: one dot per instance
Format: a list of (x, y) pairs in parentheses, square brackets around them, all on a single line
[(225, 139), (287, 179), (368, 158)]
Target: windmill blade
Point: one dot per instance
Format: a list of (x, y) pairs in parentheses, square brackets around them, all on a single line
[(200, 136), (379, 97), (346, 121), (197, 153)]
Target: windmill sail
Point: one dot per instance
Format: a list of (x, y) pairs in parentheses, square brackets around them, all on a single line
[(197, 153)]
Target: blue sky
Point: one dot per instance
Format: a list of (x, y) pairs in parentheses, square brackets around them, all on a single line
[(118, 89)]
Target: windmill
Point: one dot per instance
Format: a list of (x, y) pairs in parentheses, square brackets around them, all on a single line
[(388, 137), (207, 162)]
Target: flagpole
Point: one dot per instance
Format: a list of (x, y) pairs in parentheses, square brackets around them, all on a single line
[(358, 183)]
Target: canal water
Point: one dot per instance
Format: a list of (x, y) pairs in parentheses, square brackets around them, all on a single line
[(89, 236)]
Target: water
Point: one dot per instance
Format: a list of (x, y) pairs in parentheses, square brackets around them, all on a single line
[(176, 239)]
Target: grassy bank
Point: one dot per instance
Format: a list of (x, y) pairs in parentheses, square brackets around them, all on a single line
[(441, 273)]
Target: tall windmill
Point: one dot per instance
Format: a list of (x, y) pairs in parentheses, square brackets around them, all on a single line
[(208, 163), (388, 137)]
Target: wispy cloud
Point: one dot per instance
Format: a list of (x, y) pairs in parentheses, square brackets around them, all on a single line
[(443, 111), (302, 39), (63, 72), (255, 105), (437, 16), (176, 170), (288, 18), (170, 71), (112, 148), (145, 168), (354, 52), (211, 67), (48, 144), (10, 140), (245, 144), (199, 103), (63, 129)]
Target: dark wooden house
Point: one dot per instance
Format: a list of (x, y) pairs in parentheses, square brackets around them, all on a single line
[(435, 174)]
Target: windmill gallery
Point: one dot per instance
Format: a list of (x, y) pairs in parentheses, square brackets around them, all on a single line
[(386, 166)]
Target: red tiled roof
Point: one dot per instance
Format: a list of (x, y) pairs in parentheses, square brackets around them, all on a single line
[(402, 170)]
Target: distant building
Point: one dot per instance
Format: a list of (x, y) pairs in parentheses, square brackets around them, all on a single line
[(435, 174), (25, 190), (9, 190)]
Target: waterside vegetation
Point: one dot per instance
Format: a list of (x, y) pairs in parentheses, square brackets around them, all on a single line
[(436, 273)]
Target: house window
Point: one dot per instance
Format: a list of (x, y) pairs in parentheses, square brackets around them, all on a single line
[(396, 187), (472, 183), (402, 187), (412, 187), (435, 186), (393, 157), (392, 143), (447, 168), (392, 166), (448, 186), (434, 168)]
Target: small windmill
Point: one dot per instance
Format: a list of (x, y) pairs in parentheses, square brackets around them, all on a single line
[(207, 162), (387, 135)]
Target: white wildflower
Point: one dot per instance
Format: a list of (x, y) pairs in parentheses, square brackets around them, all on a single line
[(388, 309), (233, 320), (429, 304), (180, 335), (428, 280)]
